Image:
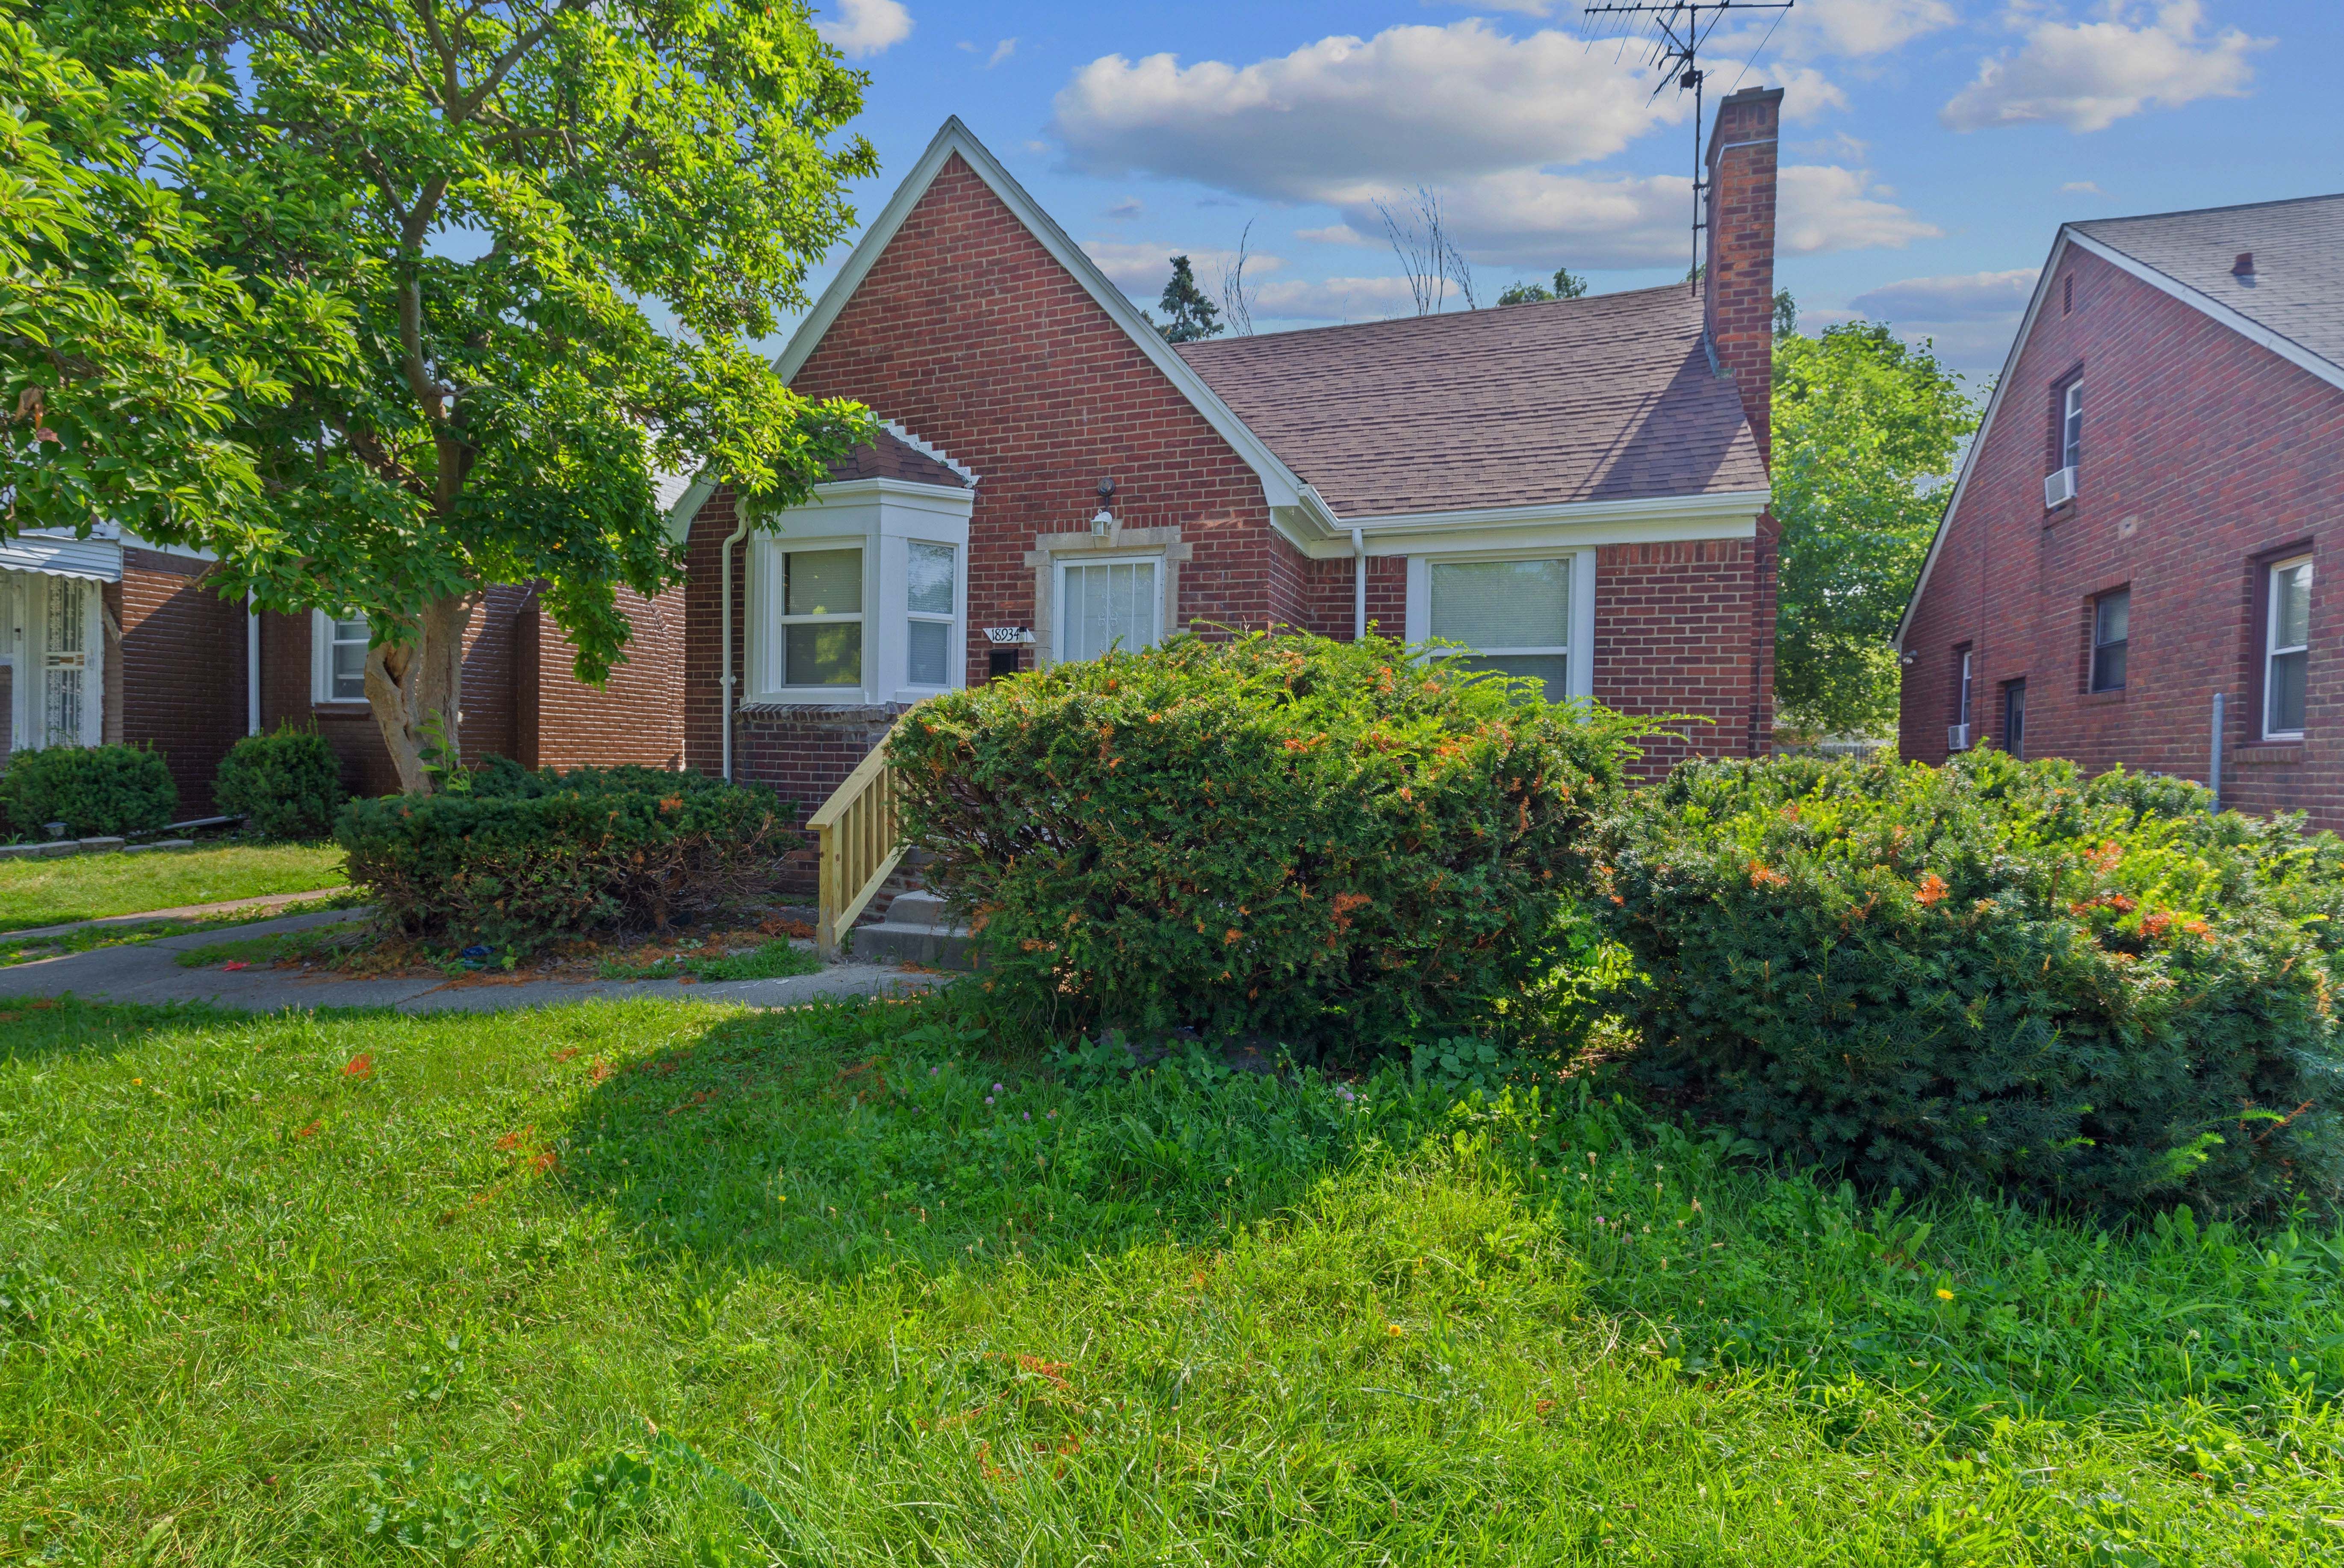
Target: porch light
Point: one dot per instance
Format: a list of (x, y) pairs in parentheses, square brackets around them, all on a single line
[(1104, 520)]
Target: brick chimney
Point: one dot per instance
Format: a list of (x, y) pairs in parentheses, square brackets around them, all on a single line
[(1738, 288)]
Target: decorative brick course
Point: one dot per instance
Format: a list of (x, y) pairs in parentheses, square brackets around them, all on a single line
[(2204, 458)]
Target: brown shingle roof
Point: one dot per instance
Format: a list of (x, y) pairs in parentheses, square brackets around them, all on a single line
[(1600, 399), (893, 457), (2297, 287)]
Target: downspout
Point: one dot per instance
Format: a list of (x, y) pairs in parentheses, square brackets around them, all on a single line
[(251, 665), (725, 653), (1359, 587)]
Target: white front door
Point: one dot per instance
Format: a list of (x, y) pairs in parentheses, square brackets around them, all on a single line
[(1117, 602), (52, 648)]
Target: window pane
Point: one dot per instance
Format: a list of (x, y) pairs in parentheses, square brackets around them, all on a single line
[(1110, 603), (2109, 667), (821, 582), (2283, 703), (930, 653), (350, 668), (823, 654), (2114, 616), (1502, 604), (2291, 606), (1551, 670), (930, 586)]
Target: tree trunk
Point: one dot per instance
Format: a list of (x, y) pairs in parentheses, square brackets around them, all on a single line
[(406, 686)]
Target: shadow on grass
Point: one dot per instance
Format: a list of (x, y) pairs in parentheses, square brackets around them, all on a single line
[(54, 1029), (837, 1141)]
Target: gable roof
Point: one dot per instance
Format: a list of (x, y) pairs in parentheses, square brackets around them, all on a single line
[(1610, 399), (2295, 308), (898, 454), (2298, 289)]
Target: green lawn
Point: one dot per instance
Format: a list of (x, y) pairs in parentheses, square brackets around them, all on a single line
[(93, 887), (668, 1284)]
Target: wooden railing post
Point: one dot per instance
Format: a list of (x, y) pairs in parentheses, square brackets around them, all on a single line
[(856, 831)]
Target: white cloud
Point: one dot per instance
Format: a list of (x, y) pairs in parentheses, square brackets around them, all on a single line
[(1333, 234), (1965, 297), (1142, 267), (864, 27), (1333, 299), (1859, 28), (2081, 187), (1821, 208), (1002, 51), (2087, 76), (1325, 123)]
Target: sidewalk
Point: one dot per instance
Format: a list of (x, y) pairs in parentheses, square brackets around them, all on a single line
[(150, 972)]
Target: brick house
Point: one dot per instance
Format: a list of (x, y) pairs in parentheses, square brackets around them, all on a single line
[(2140, 524), (109, 640), (1576, 491)]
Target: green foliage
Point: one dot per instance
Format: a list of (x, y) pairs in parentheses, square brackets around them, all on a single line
[(1330, 842), (475, 219), (784, 1286), (1189, 314), (94, 790), (1867, 427), (522, 859), (1992, 973), (1567, 285), (126, 357), (288, 784)]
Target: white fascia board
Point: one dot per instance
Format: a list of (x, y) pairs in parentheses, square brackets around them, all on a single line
[(1984, 429), (191, 552), (2253, 331), (946, 498), (1727, 515), (1281, 486)]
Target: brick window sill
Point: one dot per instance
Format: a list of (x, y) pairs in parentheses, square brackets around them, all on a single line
[(2265, 753)]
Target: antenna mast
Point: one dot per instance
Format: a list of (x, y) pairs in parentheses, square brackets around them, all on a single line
[(1678, 31)]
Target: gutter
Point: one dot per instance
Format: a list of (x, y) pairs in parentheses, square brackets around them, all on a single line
[(1359, 586), (725, 655)]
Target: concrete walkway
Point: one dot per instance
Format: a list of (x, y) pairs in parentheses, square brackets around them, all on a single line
[(263, 903), (150, 972)]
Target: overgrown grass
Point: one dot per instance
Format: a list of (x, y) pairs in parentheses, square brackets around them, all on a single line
[(659, 1283), (96, 886)]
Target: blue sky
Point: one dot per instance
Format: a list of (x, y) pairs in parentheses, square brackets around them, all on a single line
[(1932, 148)]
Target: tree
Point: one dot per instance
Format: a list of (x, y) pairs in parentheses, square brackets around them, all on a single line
[(1866, 429), (1428, 256), (1192, 314), (125, 360), (1786, 313), (1567, 285), (494, 191)]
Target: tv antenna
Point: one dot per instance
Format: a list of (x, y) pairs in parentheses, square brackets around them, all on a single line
[(1680, 28)]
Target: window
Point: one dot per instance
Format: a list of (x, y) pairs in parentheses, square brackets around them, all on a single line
[(2014, 718), (1962, 688), (2287, 648), (2071, 426), (337, 656), (2111, 629), (1514, 615), (822, 617), (928, 620), (1117, 602)]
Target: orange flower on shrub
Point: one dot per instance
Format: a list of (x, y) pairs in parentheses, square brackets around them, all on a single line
[(1932, 889), (1762, 874), (2107, 855)]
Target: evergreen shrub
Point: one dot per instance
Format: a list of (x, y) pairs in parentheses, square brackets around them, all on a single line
[(2094, 993), (95, 791), (515, 860), (1328, 842), (285, 785)]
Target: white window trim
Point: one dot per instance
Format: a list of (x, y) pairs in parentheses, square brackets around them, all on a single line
[(951, 619), (2071, 423), (882, 518), (1580, 652), (1059, 636), (321, 664), (2271, 650)]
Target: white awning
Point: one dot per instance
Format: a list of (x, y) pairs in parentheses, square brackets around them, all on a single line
[(63, 556)]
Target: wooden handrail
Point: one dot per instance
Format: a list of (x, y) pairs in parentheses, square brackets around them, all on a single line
[(856, 830)]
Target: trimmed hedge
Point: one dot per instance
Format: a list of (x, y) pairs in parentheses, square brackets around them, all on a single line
[(285, 785), (95, 791), (2094, 993), (518, 859), (1325, 841)]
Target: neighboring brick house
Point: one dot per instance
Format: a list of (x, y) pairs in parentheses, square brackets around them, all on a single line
[(107, 640), (1576, 489), (2147, 515)]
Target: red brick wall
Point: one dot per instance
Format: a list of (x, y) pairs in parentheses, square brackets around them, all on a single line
[(182, 669), (2202, 455), (637, 716), (1673, 636)]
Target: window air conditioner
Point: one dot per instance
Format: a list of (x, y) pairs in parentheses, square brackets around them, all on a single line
[(1957, 738), (2059, 489)]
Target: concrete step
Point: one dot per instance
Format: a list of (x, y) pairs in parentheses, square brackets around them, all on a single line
[(916, 930)]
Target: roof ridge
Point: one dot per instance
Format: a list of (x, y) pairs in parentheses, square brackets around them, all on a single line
[(1436, 315), (2087, 222)]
